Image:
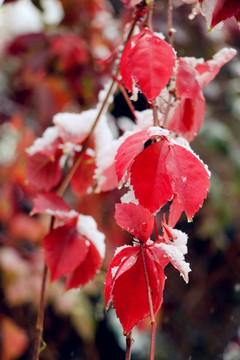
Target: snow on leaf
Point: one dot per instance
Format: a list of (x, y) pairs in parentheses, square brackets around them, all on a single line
[(87, 227), (52, 204), (150, 61), (209, 69), (64, 249), (135, 219), (175, 251)]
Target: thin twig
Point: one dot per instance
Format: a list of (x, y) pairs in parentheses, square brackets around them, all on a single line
[(171, 42), (127, 99), (155, 114), (153, 321), (148, 22), (129, 342), (170, 22)]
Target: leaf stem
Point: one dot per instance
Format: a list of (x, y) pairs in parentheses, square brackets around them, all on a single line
[(129, 342), (152, 316)]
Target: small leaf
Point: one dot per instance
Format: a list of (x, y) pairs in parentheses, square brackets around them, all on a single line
[(135, 219)]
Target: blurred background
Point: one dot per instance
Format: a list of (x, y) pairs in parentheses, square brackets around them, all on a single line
[(48, 64)]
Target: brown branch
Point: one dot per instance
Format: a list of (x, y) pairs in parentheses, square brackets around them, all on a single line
[(153, 321)]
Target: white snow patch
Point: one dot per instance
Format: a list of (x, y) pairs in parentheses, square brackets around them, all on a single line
[(40, 144), (176, 250), (87, 226), (114, 271), (129, 197)]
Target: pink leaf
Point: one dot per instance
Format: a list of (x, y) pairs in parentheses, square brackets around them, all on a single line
[(135, 219), (86, 270), (149, 178), (48, 203), (187, 117), (64, 249), (209, 69), (151, 61)]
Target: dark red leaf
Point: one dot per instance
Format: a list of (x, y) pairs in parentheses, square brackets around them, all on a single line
[(224, 9), (135, 219)]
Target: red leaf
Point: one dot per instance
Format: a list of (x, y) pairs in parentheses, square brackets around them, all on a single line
[(151, 183), (43, 172), (150, 61), (86, 270), (45, 203), (135, 219), (189, 178), (186, 82), (123, 260), (130, 294), (187, 117), (64, 249), (83, 176), (132, 146)]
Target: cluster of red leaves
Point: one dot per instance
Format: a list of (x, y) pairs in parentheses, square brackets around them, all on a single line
[(72, 245), (157, 166)]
